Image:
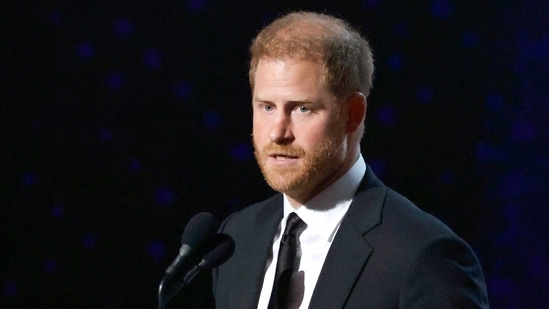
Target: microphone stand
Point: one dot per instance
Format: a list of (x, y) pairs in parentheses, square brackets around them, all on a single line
[(223, 249), (164, 299), (161, 302)]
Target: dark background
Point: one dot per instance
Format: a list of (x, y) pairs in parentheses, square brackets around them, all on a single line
[(123, 119)]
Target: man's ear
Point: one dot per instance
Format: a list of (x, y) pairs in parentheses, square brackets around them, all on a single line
[(356, 112)]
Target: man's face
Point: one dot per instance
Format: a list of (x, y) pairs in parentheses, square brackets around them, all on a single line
[(298, 128)]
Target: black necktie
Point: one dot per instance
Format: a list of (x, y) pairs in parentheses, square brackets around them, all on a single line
[(286, 260)]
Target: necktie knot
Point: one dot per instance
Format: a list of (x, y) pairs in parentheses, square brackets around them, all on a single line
[(294, 227)]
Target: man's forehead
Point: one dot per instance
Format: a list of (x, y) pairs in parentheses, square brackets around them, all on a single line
[(270, 67)]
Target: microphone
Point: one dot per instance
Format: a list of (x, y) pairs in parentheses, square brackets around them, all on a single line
[(223, 249), (199, 230)]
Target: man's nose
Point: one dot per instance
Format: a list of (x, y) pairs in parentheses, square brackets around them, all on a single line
[(281, 129)]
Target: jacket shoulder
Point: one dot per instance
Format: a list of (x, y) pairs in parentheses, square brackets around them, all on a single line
[(251, 213)]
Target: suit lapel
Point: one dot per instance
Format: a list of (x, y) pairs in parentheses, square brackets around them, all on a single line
[(349, 251), (255, 252)]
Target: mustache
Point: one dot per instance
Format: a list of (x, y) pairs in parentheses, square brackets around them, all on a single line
[(288, 150)]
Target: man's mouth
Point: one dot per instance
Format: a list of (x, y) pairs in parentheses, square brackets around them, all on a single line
[(280, 156), (283, 158)]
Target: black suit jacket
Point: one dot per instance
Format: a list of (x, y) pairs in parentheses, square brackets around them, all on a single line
[(387, 253)]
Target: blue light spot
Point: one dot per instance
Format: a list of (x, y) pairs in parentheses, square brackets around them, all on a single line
[(501, 287), (401, 29), (196, 5), (105, 135), (447, 177), (523, 130), (538, 265), (513, 185), (49, 267), (396, 62), (89, 241), (470, 39), (441, 8), (156, 250), (57, 211), (485, 151), (183, 89), (85, 50), (378, 166), (123, 27), (29, 179), (370, 4), (165, 196), (241, 152), (494, 101), (386, 116), (55, 18), (520, 66), (9, 289), (115, 80), (211, 120), (152, 58), (425, 94), (135, 165), (234, 202)]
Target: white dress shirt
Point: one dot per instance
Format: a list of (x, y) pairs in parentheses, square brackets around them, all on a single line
[(316, 239)]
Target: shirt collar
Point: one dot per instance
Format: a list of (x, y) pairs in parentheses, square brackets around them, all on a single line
[(334, 202)]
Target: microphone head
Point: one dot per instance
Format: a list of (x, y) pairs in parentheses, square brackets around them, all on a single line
[(222, 251), (200, 228), (198, 233)]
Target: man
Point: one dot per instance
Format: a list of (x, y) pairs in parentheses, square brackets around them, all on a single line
[(363, 245)]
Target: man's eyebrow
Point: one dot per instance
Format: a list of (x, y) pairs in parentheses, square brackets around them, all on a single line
[(304, 100), (259, 99), (296, 101)]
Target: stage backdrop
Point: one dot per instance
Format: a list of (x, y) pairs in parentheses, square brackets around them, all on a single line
[(123, 119)]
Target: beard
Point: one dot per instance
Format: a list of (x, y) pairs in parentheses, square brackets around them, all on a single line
[(311, 169)]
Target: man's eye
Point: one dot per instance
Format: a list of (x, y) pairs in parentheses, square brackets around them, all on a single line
[(303, 109), (268, 108)]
